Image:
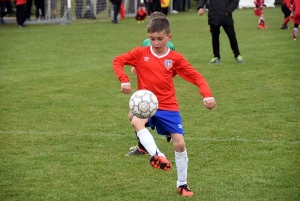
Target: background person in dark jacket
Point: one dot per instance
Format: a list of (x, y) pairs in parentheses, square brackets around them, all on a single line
[(220, 14)]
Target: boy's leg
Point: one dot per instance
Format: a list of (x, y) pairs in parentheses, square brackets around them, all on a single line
[(157, 159), (23, 14), (145, 137), (18, 14), (2, 11), (262, 23), (181, 160), (117, 6), (139, 149), (229, 30), (295, 31), (215, 33), (287, 12), (28, 9)]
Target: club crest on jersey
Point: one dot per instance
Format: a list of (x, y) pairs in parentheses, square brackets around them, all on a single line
[(168, 64)]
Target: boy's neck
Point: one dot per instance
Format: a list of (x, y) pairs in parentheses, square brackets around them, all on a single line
[(161, 53)]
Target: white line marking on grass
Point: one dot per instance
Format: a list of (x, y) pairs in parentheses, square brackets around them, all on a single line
[(102, 134)]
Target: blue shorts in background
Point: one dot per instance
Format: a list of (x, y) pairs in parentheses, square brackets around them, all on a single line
[(166, 122)]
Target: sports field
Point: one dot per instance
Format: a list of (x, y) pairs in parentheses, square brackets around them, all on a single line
[(64, 128)]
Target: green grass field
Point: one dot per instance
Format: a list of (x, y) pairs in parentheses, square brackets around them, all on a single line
[(64, 128)]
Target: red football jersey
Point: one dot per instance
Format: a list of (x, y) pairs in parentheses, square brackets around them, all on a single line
[(155, 73), (259, 3), (288, 3), (296, 10)]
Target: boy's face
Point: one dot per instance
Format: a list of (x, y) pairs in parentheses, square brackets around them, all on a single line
[(159, 41)]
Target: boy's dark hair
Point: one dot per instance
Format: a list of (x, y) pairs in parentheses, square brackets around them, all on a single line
[(142, 5), (157, 14), (159, 24)]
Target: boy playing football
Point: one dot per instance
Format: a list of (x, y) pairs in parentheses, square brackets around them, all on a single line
[(156, 65)]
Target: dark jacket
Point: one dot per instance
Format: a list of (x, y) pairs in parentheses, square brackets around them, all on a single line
[(217, 10)]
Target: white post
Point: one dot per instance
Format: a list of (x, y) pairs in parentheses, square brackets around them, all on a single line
[(69, 15), (49, 9)]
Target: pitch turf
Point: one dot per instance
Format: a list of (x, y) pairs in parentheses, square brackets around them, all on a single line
[(64, 128)]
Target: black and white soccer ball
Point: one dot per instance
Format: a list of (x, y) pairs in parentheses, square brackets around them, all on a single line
[(143, 104)]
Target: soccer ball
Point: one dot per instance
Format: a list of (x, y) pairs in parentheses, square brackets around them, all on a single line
[(143, 104)]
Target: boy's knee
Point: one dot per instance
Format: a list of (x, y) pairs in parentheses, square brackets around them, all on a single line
[(138, 124), (179, 146)]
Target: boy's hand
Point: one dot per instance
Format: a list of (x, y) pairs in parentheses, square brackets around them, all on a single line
[(209, 103), (201, 11), (126, 88)]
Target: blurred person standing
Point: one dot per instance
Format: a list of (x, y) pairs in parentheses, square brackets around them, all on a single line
[(220, 14), (40, 9), (28, 9), (5, 8), (286, 7), (165, 6), (21, 12), (258, 11), (116, 8)]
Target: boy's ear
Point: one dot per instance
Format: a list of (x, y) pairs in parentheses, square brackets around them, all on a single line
[(170, 36)]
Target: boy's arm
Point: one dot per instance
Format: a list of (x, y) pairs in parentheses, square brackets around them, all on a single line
[(232, 6), (191, 75), (128, 58), (201, 3), (187, 72)]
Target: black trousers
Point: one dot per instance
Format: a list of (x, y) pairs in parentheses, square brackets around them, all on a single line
[(21, 14), (2, 9), (117, 6), (215, 34), (28, 8), (286, 11), (156, 6), (183, 5), (165, 10), (40, 5), (5, 8)]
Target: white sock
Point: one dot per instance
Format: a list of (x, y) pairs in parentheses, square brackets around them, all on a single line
[(295, 32), (261, 21), (181, 160), (148, 142)]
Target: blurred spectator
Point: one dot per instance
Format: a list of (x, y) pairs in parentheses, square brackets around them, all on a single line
[(21, 12), (5, 8), (28, 9), (141, 13), (116, 8), (40, 9), (165, 6)]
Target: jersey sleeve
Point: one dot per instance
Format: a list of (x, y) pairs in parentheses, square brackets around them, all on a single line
[(190, 74), (129, 58)]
